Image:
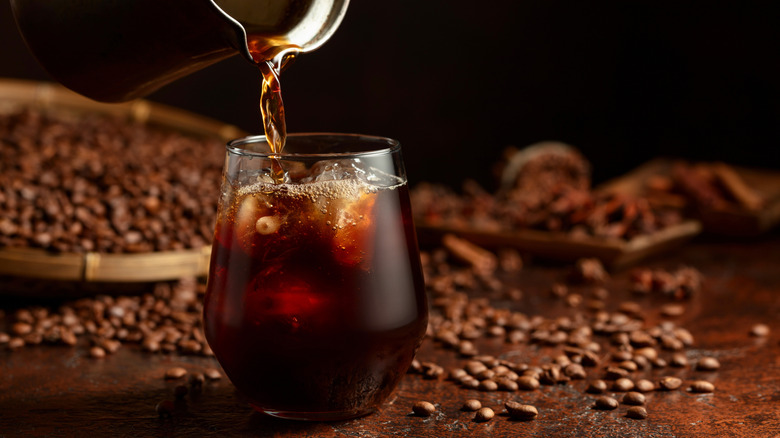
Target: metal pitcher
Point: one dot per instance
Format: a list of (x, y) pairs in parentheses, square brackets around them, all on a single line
[(119, 50)]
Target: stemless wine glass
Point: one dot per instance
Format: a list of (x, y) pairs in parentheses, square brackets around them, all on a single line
[(315, 304)]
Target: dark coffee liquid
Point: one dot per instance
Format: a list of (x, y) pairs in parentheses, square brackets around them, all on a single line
[(315, 300), (271, 60)]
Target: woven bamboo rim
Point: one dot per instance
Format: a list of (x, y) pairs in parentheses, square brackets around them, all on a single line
[(16, 94)]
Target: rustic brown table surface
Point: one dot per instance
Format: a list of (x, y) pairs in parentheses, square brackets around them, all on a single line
[(60, 391)]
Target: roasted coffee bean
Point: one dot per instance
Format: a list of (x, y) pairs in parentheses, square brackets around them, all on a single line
[(165, 409), (484, 414), (97, 352), (505, 384), (457, 373), (629, 365), (212, 374), (472, 405), (634, 398), (519, 411), (596, 386), (707, 364), (197, 380), (644, 385), (623, 384), (672, 310), (15, 343), (487, 385), (175, 373), (180, 391), (4, 338), (614, 373), (760, 330), (423, 409), (636, 412), (528, 383), (669, 383), (702, 386), (679, 360), (575, 371), (606, 403)]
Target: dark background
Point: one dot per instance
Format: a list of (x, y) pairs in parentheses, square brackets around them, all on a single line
[(457, 81)]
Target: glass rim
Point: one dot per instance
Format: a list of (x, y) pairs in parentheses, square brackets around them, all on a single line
[(391, 146)]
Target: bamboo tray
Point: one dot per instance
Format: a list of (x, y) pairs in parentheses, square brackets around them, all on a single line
[(731, 221), (616, 253), (91, 266)]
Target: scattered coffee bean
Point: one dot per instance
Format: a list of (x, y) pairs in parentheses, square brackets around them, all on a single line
[(165, 409), (623, 384), (637, 412), (4, 338), (212, 374), (702, 386), (606, 403), (519, 411), (423, 409), (472, 405), (175, 373), (97, 352), (528, 383), (760, 330), (197, 380), (634, 398), (644, 385), (672, 310), (707, 364), (669, 383), (15, 343), (679, 360), (180, 391), (484, 414), (488, 385), (596, 387)]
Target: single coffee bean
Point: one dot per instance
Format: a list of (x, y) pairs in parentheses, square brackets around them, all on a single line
[(644, 385), (175, 373), (15, 343), (672, 310), (575, 371), (527, 383), (4, 338), (614, 373), (637, 412), (423, 409), (505, 384), (707, 364), (472, 405), (634, 398), (519, 411), (197, 380), (623, 384), (679, 360), (165, 409), (97, 352), (596, 387), (606, 403), (629, 365), (180, 391), (457, 374), (760, 330), (702, 386), (488, 385), (212, 374), (484, 414), (669, 383)]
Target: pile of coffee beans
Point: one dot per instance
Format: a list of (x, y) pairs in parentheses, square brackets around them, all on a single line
[(167, 320), (548, 191), (102, 184), (613, 351)]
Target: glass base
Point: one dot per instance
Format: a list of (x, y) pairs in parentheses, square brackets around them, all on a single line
[(316, 416)]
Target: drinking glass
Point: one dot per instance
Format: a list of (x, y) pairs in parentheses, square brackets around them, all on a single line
[(315, 304)]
